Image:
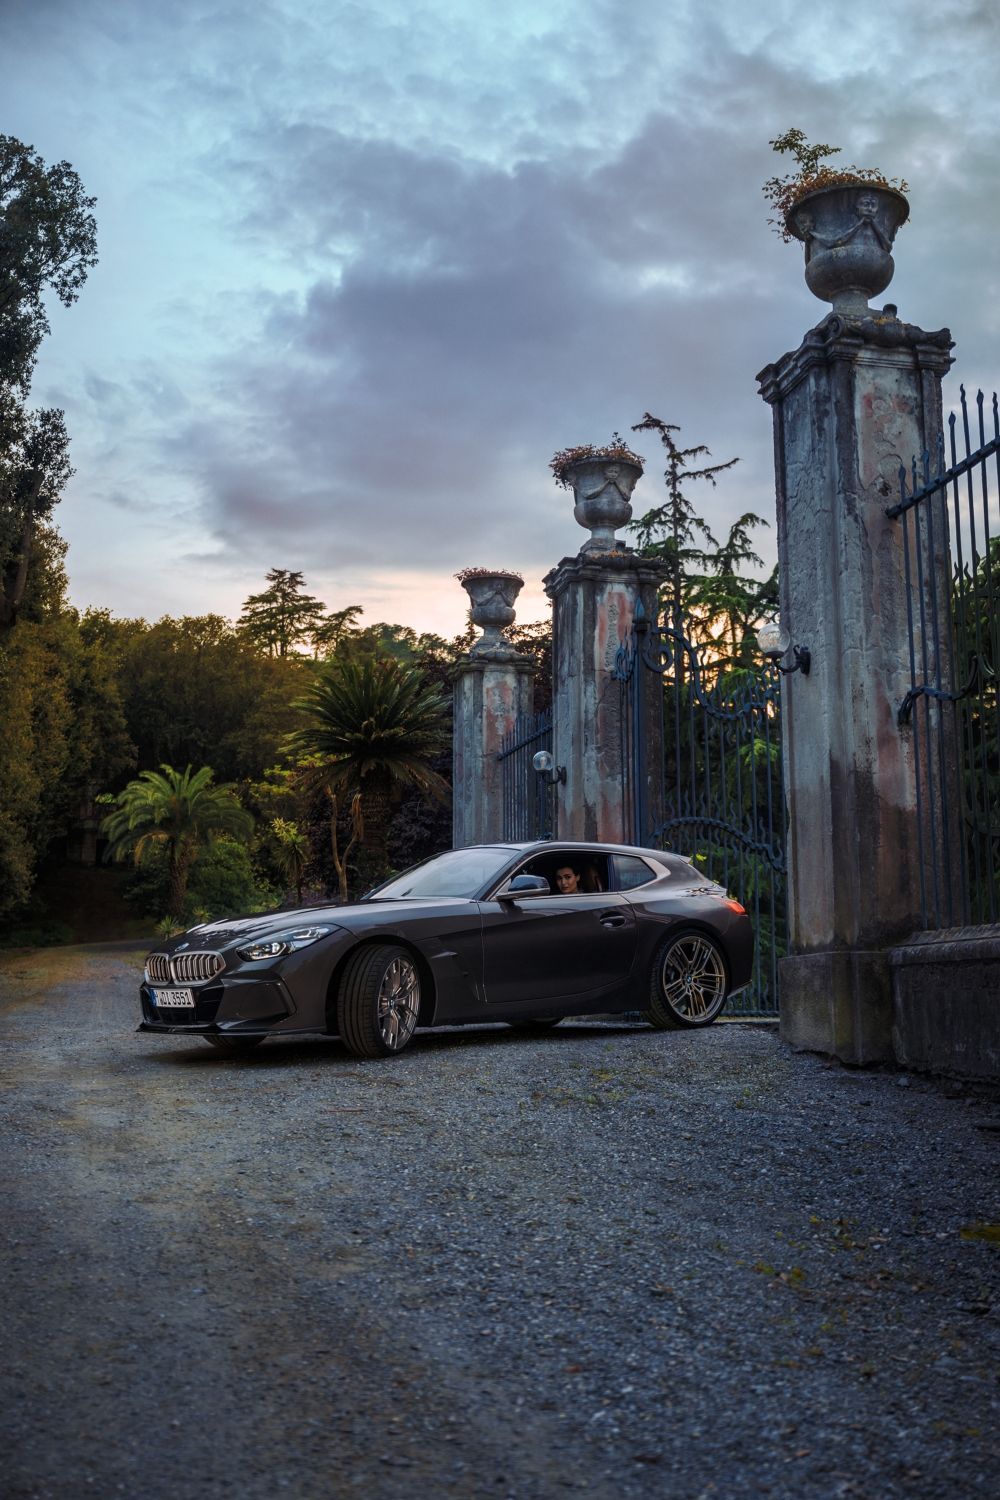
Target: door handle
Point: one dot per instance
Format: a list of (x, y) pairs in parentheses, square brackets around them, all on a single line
[(612, 919)]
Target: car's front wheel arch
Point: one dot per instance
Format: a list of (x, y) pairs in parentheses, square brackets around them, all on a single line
[(427, 990)]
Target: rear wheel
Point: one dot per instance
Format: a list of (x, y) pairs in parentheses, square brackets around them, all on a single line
[(688, 983), (234, 1046), (378, 1001)]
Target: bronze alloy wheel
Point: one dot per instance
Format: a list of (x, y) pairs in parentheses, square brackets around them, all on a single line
[(398, 1003), (688, 982), (379, 1001)]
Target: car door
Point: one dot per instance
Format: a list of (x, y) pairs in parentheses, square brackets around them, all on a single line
[(553, 947)]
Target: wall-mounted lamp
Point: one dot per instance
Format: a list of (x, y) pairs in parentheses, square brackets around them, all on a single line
[(773, 642), (546, 766)]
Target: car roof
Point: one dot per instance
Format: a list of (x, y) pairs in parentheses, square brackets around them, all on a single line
[(583, 844)]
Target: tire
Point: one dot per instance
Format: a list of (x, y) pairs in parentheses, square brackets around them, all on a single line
[(378, 1001), (688, 983), (544, 1023), (234, 1046)]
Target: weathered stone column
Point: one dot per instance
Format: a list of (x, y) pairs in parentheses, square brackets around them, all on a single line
[(594, 597), (494, 686), (857, 399)]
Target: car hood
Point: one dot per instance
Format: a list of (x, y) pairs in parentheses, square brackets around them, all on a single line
[(358, 913)]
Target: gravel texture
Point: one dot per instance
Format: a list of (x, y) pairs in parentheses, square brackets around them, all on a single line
[(602, 1260)]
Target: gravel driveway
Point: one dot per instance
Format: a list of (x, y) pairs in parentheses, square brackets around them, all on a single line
[(601, 1261)]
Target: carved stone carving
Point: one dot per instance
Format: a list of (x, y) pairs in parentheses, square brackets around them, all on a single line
[(848, 233), (602, 489), (492, 595)]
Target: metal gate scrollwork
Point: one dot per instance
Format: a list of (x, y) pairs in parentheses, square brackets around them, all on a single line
[(701, 768)]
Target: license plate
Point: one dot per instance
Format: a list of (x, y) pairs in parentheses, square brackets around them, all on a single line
[(175, 999)]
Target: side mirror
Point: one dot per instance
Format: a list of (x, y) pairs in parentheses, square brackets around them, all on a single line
[(524, 885)]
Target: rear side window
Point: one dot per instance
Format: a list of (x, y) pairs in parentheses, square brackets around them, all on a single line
[(630, 871)]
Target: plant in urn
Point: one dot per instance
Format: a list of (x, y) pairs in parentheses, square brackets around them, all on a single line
[(847, 220), (602, 481), (492, 592)]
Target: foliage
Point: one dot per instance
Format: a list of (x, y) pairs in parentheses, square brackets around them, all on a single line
[(421, 826), (561, 462), (223, 883), (782, 193), (371, 728), (400, 642), (330, 633), (181, 810), (48, 243), (34, 470), (669, 531), (292, 852), (198, 690), (534, 640), (283, 616), (64, 734), (465, 573)]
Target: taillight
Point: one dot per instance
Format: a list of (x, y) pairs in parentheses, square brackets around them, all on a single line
[(735, 906)]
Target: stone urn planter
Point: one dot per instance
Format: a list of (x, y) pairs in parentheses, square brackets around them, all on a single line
[(492, 594), (602, 481), (848, 231)]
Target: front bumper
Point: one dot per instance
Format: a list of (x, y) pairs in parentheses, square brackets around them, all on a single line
[(222, 1006)]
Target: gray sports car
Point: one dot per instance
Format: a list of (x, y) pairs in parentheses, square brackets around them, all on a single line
[(522, 933)]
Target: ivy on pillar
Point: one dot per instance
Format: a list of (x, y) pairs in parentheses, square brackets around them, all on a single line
[(494, 687), (860, 395)]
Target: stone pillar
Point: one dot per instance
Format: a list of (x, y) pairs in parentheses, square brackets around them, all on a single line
[(594, 598), (857, 399), (494, 686)]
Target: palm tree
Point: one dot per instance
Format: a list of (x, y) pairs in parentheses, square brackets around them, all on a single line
[(180, 810), (372, 728), (291, 853)]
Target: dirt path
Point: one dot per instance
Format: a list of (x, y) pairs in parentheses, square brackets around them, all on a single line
[(603, 1261)]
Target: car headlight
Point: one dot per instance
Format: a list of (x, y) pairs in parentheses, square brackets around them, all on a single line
[(282, 942)]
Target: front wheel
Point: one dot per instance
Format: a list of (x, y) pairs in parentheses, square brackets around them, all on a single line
[(687, 984), (379, 1001)]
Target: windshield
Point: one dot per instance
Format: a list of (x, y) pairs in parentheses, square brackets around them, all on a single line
[(461, 872)]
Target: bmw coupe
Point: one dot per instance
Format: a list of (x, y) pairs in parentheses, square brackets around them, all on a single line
[(522, 933)]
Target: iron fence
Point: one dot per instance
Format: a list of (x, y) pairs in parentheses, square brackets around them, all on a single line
[(527, 798), (702, 776), (951, 536)]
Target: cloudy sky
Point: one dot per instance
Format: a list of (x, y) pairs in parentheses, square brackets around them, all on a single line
[(365, 266)]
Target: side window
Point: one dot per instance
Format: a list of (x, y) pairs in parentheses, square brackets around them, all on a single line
[(630, 871), (576, 872)]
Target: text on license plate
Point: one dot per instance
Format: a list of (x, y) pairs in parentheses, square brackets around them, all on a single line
[(175, 998)]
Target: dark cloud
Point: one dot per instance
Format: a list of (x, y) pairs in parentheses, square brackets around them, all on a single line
[(460, 243)]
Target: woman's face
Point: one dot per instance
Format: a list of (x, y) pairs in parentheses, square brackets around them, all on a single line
[(567, 881)]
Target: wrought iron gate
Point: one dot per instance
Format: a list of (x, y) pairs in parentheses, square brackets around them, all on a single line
[(702, 776), (526, 797), (951, 539)]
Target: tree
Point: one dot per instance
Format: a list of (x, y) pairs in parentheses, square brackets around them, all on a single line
[(48, 242), (292, 852), (371, 728), (329, 633), (62, 735), (196, 689), (180, 810), (669, 531), (34, 471), (283, 615)]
